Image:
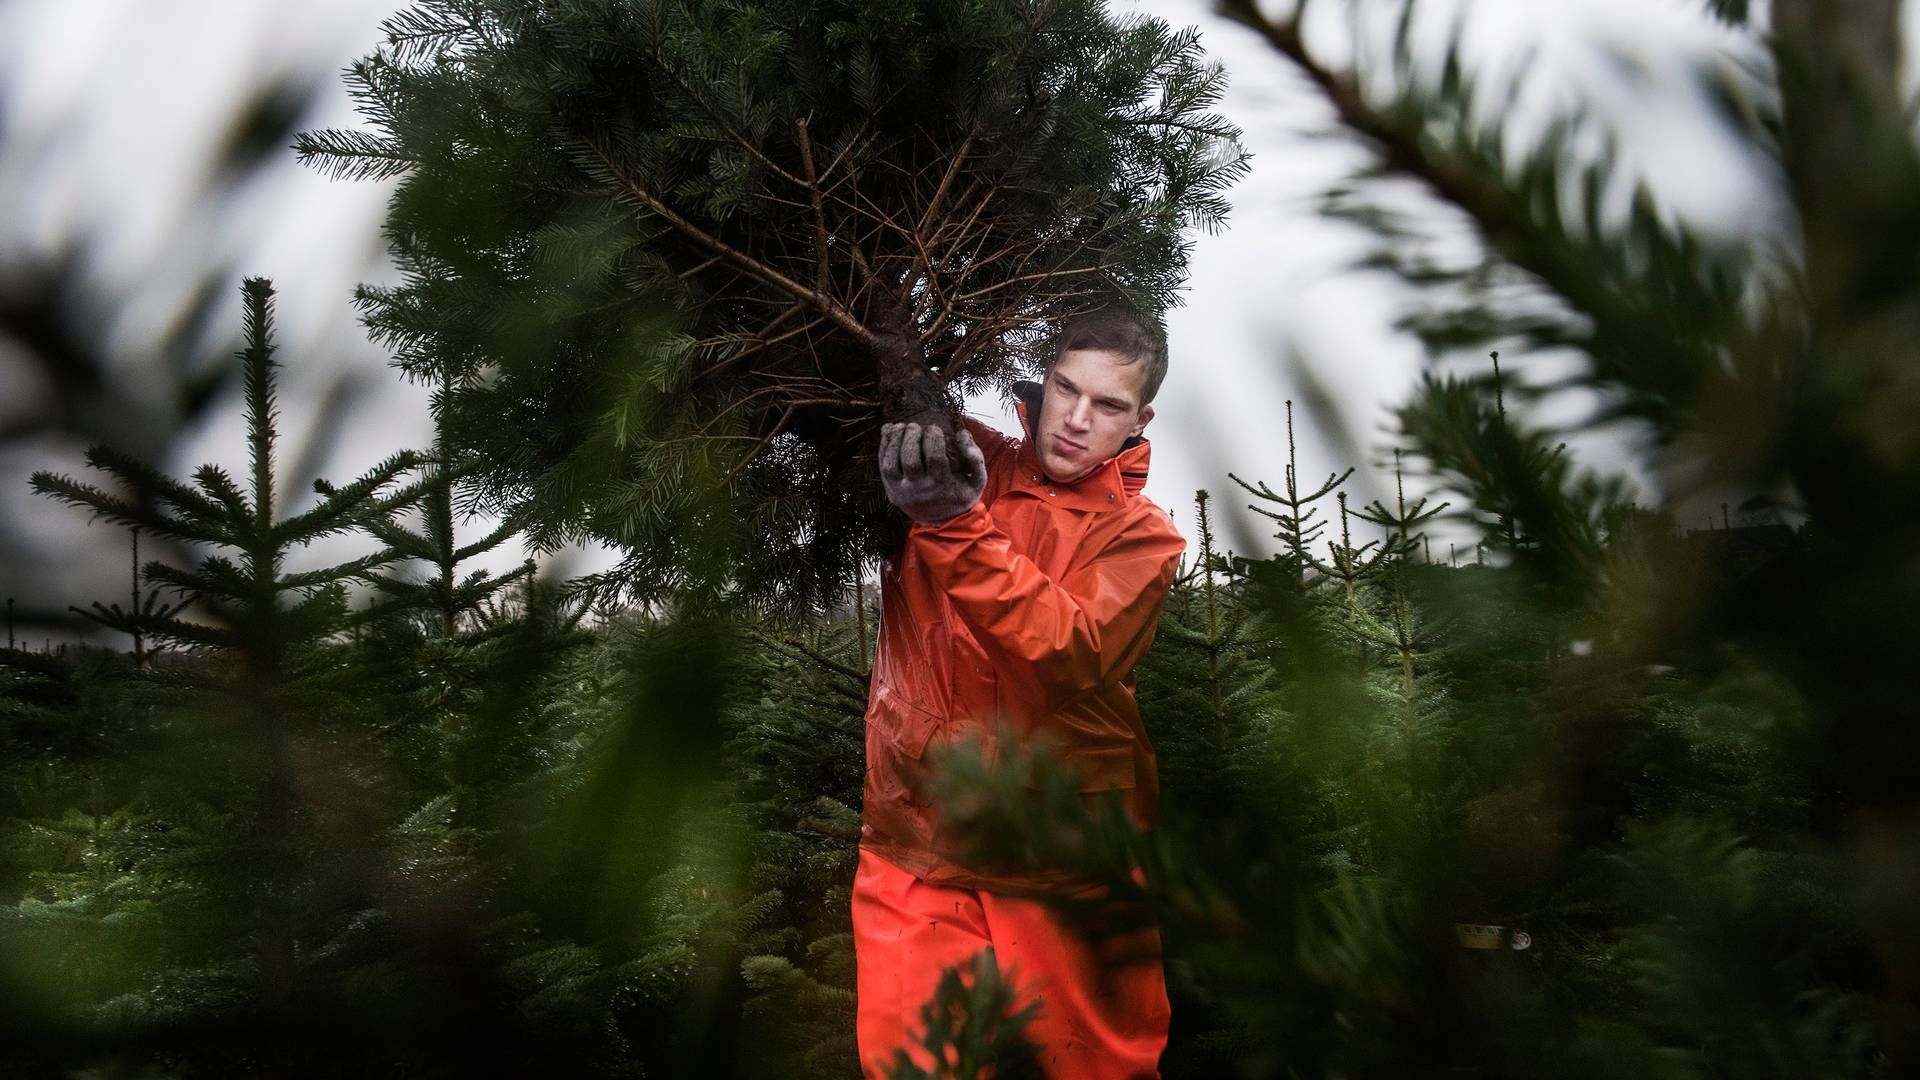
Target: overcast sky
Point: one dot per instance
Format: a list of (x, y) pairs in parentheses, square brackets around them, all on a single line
[(111, 109)]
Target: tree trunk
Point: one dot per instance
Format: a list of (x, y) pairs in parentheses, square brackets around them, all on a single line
[(908, 391)]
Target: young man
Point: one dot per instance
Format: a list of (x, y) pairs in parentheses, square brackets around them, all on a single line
[(1029, 586)]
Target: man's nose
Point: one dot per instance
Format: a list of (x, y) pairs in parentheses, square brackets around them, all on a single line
[(1080, 416)]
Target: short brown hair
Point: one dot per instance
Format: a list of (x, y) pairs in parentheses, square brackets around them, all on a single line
[(1117, 330)]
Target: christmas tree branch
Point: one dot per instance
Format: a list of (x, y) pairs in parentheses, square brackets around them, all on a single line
[(88, 497), (1502, 221), (811, 654), (753, 267), (954, 163), (720, 119), (822, 267), (1848, 146)]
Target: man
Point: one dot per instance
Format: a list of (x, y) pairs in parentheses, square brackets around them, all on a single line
[(1029, 585)]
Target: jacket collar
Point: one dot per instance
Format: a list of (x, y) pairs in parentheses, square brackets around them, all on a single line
[(1111, 483)]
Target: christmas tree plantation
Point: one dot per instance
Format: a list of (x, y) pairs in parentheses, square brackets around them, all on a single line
[(1613, 798), (1407, 832)]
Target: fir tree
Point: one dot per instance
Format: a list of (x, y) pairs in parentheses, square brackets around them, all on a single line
[(699, 251), (247, 594), (1210, 668), (798, 750), (448, 657), (1753, 362), (142, 611), (1296, 517), (1396, 623), (266, 623), (446, 595)]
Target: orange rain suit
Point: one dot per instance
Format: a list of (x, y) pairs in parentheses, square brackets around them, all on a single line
[(1030, 609)]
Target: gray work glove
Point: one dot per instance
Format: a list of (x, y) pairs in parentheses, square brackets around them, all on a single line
[(921, 481)]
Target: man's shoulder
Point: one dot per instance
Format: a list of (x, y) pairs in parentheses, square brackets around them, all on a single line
[(991, 440), (1153, 510), (1144, 513), (1141, 525), (999, 449)]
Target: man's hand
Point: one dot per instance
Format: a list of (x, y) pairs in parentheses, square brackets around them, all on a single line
[(918, 477)]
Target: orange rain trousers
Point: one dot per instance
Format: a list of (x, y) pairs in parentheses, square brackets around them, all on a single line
[(1095, 1022)]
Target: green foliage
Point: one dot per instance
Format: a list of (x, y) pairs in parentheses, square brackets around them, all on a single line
[(637, 852), (972, 1028), (1212, 666), (1725, 965), (258, 610), (673, 259), (244, 823), (556, 862), (430, 538), (1335, 828), (799, 750)]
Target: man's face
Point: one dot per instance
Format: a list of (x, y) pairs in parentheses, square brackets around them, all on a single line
[(1092, 406)]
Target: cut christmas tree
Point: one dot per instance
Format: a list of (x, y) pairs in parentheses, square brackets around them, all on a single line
[(680, 260)]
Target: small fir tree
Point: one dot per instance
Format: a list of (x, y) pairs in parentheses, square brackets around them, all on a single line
[(142, 611), (1296, 517), (267, 623), (447, 595)]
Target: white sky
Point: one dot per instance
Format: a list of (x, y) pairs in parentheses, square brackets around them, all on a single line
[(109, 112)]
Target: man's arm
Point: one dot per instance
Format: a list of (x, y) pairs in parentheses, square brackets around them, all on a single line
[(992, 443), (1078, 632), (1073, 634)]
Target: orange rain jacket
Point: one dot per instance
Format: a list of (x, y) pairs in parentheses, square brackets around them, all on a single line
[(1029, 609)]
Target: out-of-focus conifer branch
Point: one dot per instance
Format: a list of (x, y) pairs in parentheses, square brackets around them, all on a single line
[(1508, 225)]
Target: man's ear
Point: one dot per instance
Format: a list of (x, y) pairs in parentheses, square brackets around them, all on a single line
[(1146, 414)]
